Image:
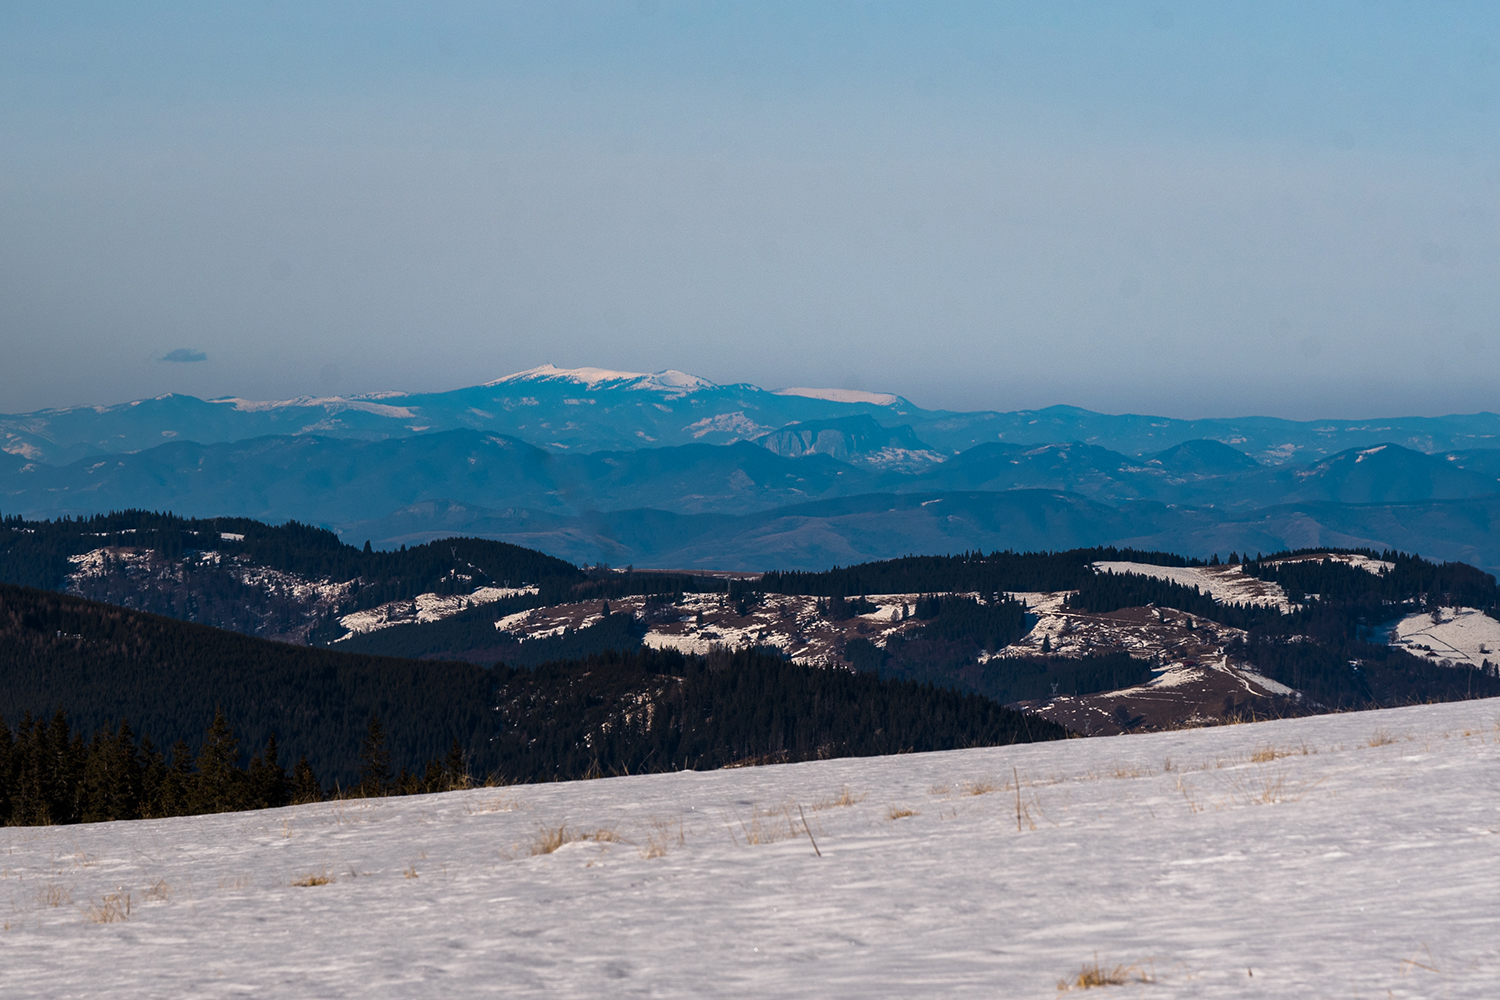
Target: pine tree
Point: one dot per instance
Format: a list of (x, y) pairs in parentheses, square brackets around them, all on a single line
[(269, 785), (456, 768), (305, 787), (374, 760), (8, 772), (220, 781), (179, 784), (153, 778)]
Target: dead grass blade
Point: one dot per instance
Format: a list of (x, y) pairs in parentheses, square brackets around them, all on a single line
[(112, 909), (1093, 974)]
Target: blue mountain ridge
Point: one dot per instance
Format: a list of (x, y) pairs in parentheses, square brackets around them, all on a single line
[(669, 469), (594, 410)]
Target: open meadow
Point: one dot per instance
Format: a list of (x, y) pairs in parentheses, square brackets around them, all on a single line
[(1352, 855)]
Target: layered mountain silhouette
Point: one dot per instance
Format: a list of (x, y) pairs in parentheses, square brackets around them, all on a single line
[(670, 469)]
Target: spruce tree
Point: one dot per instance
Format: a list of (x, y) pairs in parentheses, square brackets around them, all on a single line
[(456, 768), (8, 773), (305, 787), (374, 760), (220, 780), (269, 785)]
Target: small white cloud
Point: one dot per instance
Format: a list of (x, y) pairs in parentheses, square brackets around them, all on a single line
[(184, 355)]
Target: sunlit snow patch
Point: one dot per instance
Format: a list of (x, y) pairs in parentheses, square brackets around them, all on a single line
[(842, 395), (1465, 635), (1225, 584), (424, 608)]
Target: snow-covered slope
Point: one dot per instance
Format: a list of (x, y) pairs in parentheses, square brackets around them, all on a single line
[(1225, 584), (1347, 855), (1461, 635)]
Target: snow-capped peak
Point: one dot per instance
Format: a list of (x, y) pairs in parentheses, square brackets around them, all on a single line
[(843, 395), (670, 380)]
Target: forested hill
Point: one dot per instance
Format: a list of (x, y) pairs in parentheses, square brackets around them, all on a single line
[(103, 665), (166, 677), (35, 553), (293, 582), (1315, 574)]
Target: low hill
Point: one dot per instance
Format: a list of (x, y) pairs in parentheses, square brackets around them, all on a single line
[(103, 664), (637, 711)]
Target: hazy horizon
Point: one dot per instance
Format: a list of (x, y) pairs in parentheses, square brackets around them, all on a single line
[(1160, 208)]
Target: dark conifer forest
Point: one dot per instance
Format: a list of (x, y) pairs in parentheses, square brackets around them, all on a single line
[(655, 710), (104, 665), (116, 714)]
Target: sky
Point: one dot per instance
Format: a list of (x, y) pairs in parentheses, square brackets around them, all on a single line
[(1176, 208)]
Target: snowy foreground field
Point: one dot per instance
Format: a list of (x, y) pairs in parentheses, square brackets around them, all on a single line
[(1341, 856)]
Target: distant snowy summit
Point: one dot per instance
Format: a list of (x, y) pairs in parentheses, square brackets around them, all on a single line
[(591, 409), (671, 380), (675, 382)]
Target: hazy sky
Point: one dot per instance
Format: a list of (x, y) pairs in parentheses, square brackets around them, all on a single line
[(1177, 208)]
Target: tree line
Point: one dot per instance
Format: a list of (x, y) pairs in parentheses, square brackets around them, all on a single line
[(967, 572), (51, 774)]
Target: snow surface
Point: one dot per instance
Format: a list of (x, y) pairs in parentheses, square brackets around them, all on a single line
[(1463, 634), (843, 395), (1225, 584), (1345, 855)]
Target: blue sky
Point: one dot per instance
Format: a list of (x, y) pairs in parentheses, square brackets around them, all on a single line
[(1178, 208)]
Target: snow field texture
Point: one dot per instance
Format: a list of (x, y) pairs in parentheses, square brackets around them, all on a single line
[(1461, 635), (1349, 855)]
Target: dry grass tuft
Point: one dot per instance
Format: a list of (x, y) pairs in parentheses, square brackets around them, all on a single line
[(1093, 974), (549, 839), (321, 878), (1187, 790), (771, 824), (1268, 788), (112, 909), (978, 787), (410, 871), (54, 895), (1268, 753), (1382, 737), (161, 892), (900, 812), (664, 834), (939, 790), (844, 798)]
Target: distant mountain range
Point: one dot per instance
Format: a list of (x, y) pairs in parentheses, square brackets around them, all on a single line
[(590, 409), (670, 469)]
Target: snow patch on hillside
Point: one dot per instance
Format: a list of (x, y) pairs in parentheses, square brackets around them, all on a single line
[(1463, 635), (736, 424), (1349, 854), (424, 608), (1369, 565), (1225, 584), (842, 395)]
